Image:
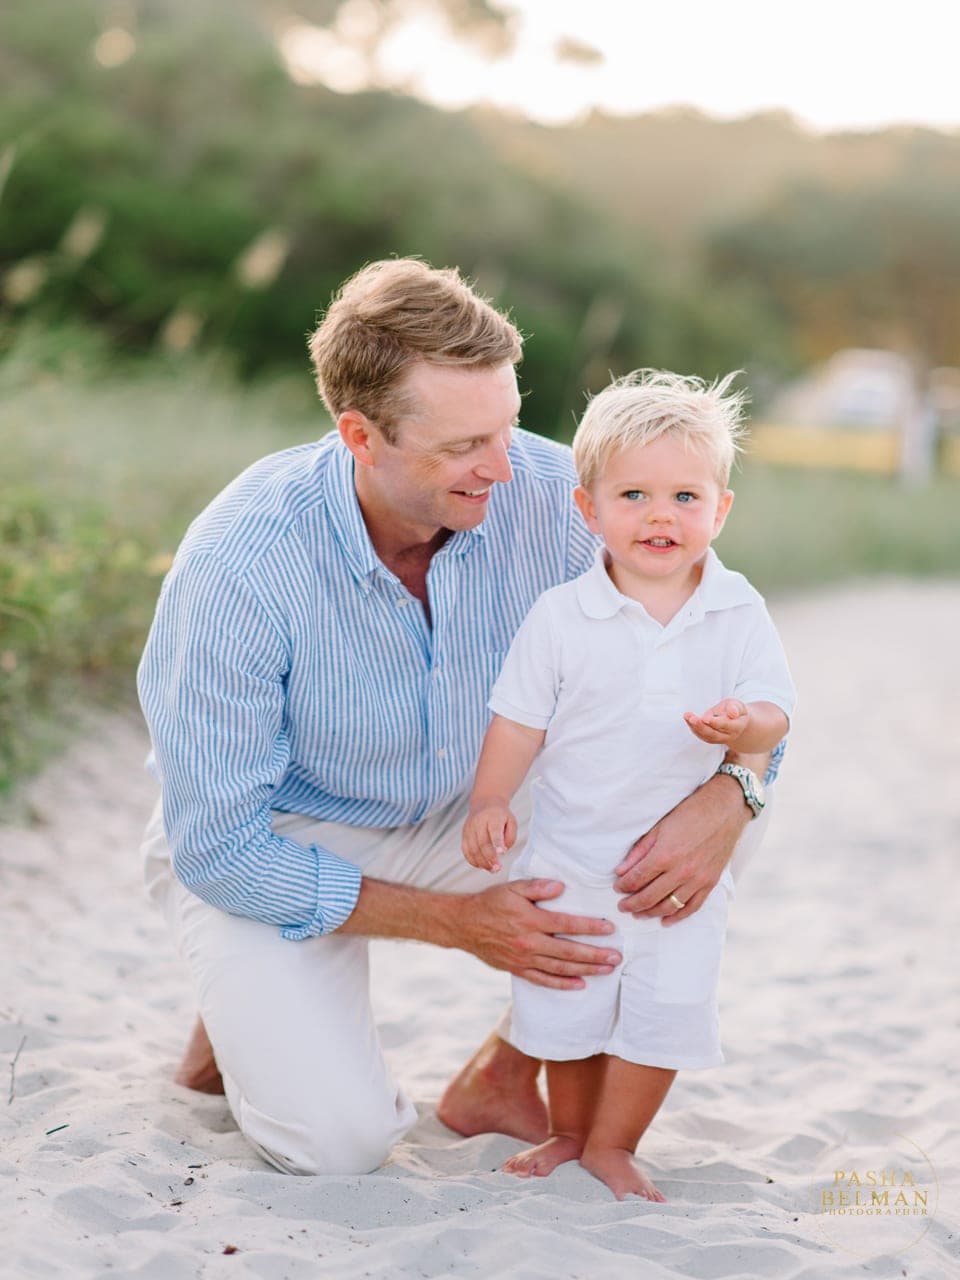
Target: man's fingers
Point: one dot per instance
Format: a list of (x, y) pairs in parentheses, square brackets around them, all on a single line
[(635, 853), (559, 922), (541, 979), (577, 926), (694, 903)]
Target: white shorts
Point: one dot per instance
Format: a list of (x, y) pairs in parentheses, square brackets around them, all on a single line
[(659, 1007)]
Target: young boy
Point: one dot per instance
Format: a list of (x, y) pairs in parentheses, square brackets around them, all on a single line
[(598, 688)]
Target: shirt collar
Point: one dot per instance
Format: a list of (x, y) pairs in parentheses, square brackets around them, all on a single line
[(351, 530), (719, 588)]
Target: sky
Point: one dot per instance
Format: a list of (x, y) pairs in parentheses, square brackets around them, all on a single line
[(846, 64)]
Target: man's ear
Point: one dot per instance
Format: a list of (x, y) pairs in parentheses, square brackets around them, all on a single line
[(584, 501), (359, 435), (723, 508)]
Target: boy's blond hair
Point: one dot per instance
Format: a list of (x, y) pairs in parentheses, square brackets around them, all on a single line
[(388, 316), (648, 403)]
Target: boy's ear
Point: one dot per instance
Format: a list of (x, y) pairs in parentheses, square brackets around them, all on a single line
[(723, 508), (584, 501)]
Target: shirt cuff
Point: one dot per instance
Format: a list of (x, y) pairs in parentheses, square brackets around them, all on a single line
[(338, 887), (776, 758)]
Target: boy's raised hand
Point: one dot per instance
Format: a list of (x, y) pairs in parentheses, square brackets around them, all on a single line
[(487, 833), (722, 725)]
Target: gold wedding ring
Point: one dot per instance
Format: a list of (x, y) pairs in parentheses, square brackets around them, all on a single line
[(676, 902)]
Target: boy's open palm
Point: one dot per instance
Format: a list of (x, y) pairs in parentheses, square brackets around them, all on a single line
[(722, 725)]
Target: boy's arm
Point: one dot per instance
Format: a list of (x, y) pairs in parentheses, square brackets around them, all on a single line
[(508, 751), (753, 728)]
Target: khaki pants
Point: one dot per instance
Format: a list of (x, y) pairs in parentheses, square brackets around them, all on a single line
[(291, 1022)]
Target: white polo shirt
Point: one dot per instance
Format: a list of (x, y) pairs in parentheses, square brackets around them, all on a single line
[(610, 684)]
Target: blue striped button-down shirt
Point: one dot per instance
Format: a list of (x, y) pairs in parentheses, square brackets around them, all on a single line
[(287, 668)]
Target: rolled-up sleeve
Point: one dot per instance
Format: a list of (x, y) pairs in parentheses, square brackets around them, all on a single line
[(212, 686)]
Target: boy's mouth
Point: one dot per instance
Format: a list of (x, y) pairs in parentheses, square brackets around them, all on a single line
[(660, 544)]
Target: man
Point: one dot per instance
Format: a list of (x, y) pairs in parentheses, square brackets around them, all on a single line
[(315, 683)]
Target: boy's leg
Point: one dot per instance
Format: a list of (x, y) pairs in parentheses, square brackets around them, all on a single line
[(629, 1099), (572, 1090)]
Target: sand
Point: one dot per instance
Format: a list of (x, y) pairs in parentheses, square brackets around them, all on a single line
[(840, 1026)]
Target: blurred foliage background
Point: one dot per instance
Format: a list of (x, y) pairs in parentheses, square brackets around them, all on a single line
[(175, 209)]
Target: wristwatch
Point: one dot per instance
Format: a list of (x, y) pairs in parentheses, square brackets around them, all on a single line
[(750, 784)]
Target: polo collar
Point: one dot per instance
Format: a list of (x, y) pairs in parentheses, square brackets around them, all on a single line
[(719, 588), (345, 515)]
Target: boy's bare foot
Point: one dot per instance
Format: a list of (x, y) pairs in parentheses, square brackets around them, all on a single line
[(539, 1161), (496, 1092), (198, 1067), (621, 1173)]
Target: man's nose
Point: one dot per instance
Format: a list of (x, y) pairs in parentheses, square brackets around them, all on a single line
[(495, 464)]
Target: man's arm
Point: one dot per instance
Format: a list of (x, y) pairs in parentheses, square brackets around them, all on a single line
[(212, 687), (502, 926), (687, 850)]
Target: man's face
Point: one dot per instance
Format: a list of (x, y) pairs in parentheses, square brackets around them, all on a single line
[(450, 451)]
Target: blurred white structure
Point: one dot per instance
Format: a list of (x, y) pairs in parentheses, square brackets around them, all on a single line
[(859, 388), (866, 409)]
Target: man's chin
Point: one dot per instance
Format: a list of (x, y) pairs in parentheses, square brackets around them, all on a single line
[(460, 515)]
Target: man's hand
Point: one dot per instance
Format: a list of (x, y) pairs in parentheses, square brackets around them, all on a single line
[(722, 725), (487, 834), (505, 929), (684, 855)]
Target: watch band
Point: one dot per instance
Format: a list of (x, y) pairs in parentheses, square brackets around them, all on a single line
[(750, 785)]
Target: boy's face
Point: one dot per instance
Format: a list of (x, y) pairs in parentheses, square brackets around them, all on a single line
[(657, 507)]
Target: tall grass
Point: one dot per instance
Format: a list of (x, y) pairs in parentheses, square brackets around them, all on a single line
[(791, 528), (99, 477), (101, 471)]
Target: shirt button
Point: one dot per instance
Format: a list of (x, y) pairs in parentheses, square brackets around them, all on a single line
[(442, 753), (402, 602)]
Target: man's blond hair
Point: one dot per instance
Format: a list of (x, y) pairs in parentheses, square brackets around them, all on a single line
[(648, 403), (390, 315)]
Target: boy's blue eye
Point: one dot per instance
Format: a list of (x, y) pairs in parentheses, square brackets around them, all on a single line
[(633, 493), (686, 496)]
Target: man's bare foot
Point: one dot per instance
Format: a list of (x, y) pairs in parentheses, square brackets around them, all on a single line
[(496, 1092), (198, 1067), (620, 1171), (540, 1161)]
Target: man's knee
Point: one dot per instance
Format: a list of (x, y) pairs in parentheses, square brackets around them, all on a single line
[(331, 1140)]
